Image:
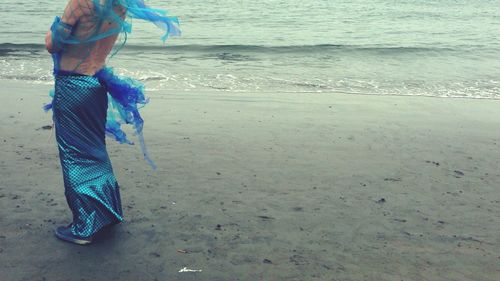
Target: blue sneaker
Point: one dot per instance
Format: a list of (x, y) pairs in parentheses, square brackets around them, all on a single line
[(64, 233)]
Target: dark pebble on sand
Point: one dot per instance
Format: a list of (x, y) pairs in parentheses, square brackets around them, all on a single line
[(392, 179), (155, 254), (267, 261), (266, 217), (381, 200), (218, 227), (459, 174)]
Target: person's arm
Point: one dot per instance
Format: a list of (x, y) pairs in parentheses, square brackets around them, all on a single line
[(74, 10), (48, 42)]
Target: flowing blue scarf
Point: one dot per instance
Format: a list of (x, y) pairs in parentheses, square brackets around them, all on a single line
[(127, 94)]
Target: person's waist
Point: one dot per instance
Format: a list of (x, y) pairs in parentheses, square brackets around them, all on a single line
[(69, 73), (70, 69), (62, 72)]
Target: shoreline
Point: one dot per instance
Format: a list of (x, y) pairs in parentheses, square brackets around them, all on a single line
[(267, 187), (150, 92)]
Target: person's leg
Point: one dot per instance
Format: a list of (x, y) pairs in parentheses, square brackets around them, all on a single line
[(92, 193)]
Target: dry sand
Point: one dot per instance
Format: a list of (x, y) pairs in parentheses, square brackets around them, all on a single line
[(267, 187)]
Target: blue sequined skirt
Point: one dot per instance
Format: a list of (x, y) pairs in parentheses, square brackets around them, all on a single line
[(92, 192)]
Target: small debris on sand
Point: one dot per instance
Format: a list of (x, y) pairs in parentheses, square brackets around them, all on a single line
[(459, 174), (46, 127), (185, 269), (154, 254), (432, 162), (266, 217), (392, 179)]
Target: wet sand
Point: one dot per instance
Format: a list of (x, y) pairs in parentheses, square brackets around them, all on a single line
[(267, 187)]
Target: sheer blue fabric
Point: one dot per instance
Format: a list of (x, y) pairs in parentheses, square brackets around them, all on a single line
[(105, 12), (126, 94)]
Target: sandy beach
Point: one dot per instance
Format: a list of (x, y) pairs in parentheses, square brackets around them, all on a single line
[(266, 186)]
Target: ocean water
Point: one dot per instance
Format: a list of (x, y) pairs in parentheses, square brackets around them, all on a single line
[(446, 48)]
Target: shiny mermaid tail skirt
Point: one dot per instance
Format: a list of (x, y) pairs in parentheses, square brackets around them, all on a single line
[(92, 192)]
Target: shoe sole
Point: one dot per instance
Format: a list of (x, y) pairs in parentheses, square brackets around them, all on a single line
[(73, 240)]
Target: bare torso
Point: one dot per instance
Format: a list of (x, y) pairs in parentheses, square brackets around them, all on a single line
[(88, 58)]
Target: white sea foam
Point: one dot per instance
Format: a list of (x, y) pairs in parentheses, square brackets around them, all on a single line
[(356, 46)]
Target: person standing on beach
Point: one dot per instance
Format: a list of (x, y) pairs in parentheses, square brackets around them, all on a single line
[(80, 42)]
